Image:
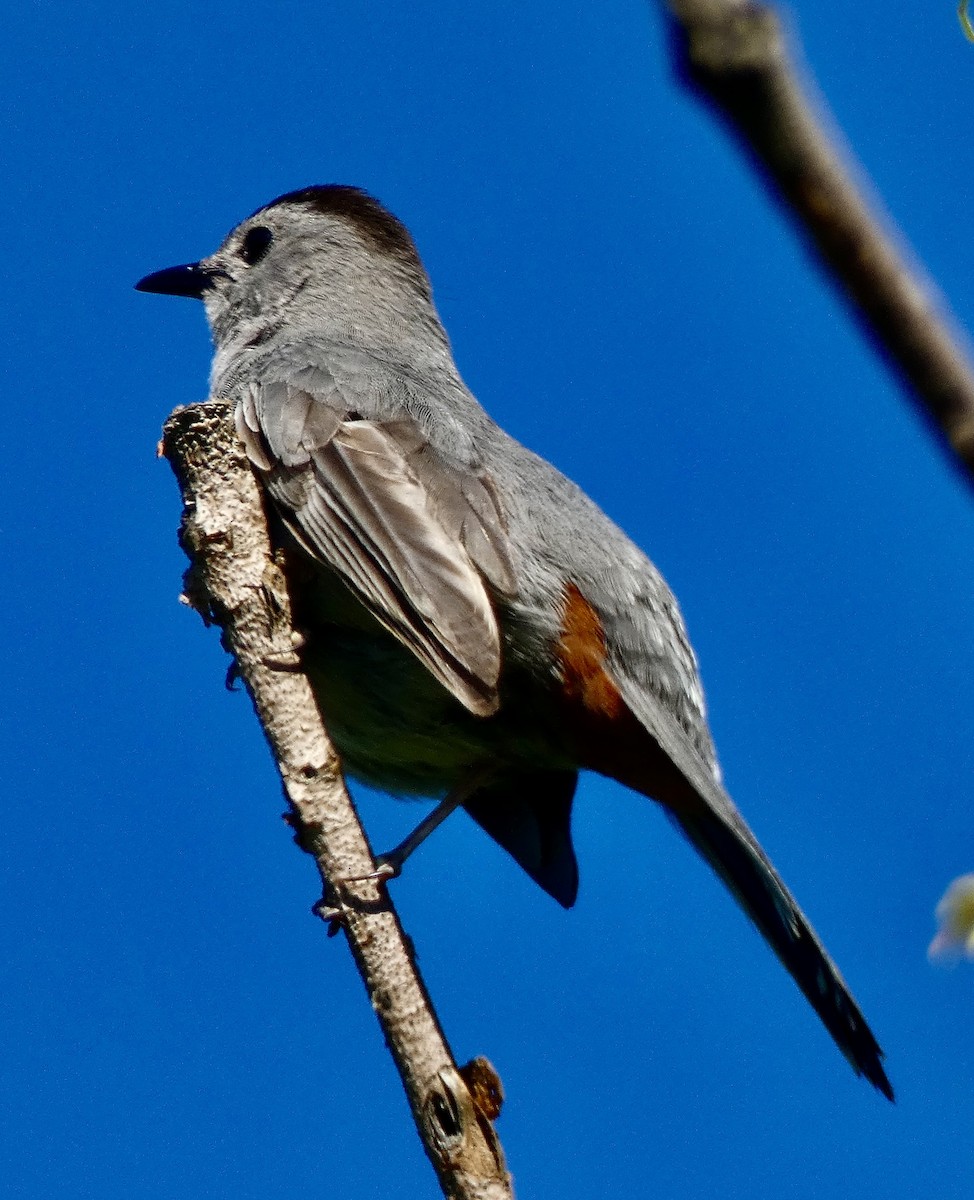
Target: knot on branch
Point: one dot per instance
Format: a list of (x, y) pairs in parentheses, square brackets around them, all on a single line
[(457, 1131)]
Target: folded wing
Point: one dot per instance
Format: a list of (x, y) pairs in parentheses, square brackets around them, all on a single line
[(419, 539)]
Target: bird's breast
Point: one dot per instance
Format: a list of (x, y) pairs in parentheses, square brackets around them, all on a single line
[(395, 726)]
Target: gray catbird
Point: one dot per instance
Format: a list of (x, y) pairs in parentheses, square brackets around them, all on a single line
[(476, 627)]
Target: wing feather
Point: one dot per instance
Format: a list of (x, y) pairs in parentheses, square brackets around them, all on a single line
[(416, 536)]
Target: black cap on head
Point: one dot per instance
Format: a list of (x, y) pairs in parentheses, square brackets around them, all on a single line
[(375, 223)]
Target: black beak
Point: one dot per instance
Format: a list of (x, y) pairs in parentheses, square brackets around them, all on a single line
[(191, 280)]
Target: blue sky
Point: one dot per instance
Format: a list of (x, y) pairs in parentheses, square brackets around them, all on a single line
[(624, 298)]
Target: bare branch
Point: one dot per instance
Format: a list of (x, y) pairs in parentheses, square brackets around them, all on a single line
[(733, 54), (235, 582)]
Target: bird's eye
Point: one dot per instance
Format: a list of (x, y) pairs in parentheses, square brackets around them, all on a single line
[(255, 245)]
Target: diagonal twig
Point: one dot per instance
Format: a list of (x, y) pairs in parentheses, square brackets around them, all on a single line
[(234, 582), (734, 55)]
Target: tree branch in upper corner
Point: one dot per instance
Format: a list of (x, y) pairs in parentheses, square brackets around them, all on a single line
[(235, 582), (733, 53)]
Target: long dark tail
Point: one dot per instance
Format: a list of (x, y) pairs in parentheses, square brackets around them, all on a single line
[(667, 768), (732, 851)]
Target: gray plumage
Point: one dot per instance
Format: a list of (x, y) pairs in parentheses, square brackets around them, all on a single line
[(467, 606)]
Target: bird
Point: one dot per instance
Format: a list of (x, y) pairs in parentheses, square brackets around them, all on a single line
[(476, 630)]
